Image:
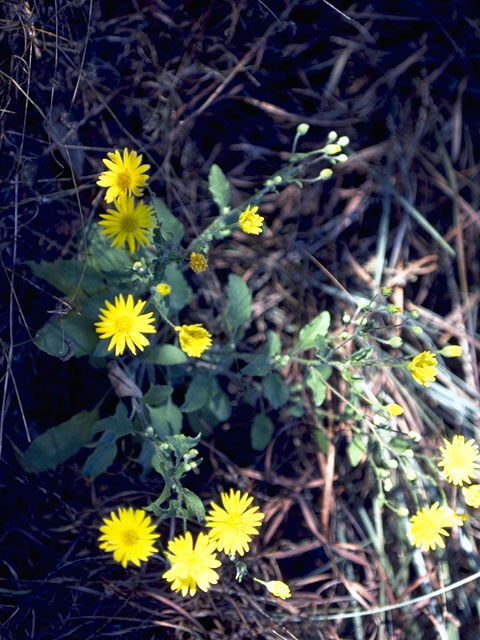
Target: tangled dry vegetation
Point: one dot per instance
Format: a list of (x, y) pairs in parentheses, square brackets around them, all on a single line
[(190, 84)]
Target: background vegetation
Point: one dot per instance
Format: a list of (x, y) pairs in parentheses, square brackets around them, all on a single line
[(189, 85)]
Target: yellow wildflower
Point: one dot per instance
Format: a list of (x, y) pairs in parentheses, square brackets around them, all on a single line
[(472, 495), (279, 589), (423, 368), (459, 460), (128, 222), (163, 289), (452, 351), (125, 175), (198, 263), (194, 339), (427, 526), (394, 410), (250, 222)]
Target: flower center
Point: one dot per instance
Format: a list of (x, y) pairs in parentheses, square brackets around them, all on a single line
[(124, 324), (123, 180), (129, 537), (129, 224)]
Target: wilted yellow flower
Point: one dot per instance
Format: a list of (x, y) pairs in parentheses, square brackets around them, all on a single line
[(233, 526), (163, 289), (123, 323), (452, 351), (125, 175), (192, 566), (194, 339), (198, 263), (423, 368), (128, 223), (394, 410), (472, 495), (250, 222), (129, 535), (459, 460), (427, 526), (279, 589)]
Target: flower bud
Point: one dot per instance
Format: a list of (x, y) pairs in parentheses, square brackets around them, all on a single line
[(393, 464), (402, 512), (393, 308), (395, 342), (332, 136), (332, 149), (302, 128), (343, 141), (414, 314), (387, 485), (410, 475), (278, 180), (386, 291), (417, 330), (342, 157), (452, 351), (325, 174)]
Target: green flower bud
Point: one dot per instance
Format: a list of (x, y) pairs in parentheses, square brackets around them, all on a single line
[(402, 512), (393, 308), (332, 149), (386, 291), (302, 128), (342, 157), (149, 431), (410, 475), (387, 485), (393, 464), (408, 453), (417, 330), (343, 141), (278, 180), (414, 314), (395, 342), (332, 136), (325, 174)]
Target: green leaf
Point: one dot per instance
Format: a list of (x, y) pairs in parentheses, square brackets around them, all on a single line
[(194, 505), (322, 441), (251, 396), (361, 354), (356, 449), (166, 419), (67, 336), (171, 228), (69, 276), (198, 393), (259, 366), (315, 380), (104, 258), (219, 187), (239, 304), (157, 394), (59, 443), (318, 327), (103, 456), (164, 354), (261, 432), (220, 405), (181, 292), (275, 390)]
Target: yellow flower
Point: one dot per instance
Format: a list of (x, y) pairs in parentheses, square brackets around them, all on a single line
[(472, 495), (459, 460), (129, 535), (250, 222), (128, 223), (452, 351), (279, 589), (194, 339), (332, 149), (125, 175), (198, 263), (423, 368), (192, 566), (427, 526), (123, 323), (394, 410), (233, 526), (163, 289)]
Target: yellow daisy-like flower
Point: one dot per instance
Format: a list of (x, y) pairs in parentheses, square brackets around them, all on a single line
[(459, 460), (163, 289), (125, 175), (198, 263), (472, 495), (279, 589), (129, 535), (452, 351), (427, 526), (192, 566), (394, 410), (250, 222), (423, 368), (233, 526), (125, 326), (194, 339), (128, 223)]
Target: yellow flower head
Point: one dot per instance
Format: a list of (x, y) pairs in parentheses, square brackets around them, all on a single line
[(233, 526), (163, 289), (279, 589), (423, 368), (198, 263), (128, 223), (427, 526), (194, 339), (452, 351), (192, 566), (459, 460), (125, 175), (250, 222), (394, 410), (472, 495), (125, 326), (129, 535)]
